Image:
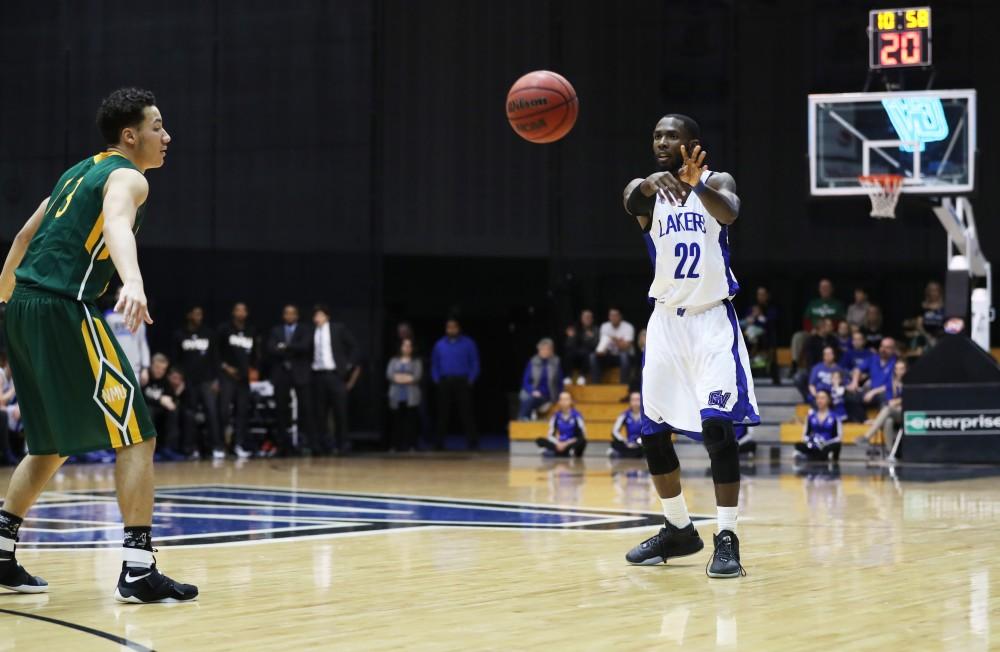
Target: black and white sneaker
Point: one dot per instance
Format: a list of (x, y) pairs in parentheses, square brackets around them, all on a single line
[(14, 577), (668, 543), (725, 560), (148, 586)]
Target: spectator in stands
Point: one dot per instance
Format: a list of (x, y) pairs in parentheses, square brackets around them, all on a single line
[(163, 410), (916, 339), (843, 333), (838, 394), (237, 343), (10, 415), (335, 372), (567, 432), (825, 306), (872, 328), (542, 380), (821, 374), (890, 417), (614, 347), (134, 345), (187, 407), (639, 353), (404, 373), (196, 353), (857, 311), (581, 342), (290, 353), (626, 433), (879, 388), (822, 433), (759, 326), (812, 354), (454, 370), (931, 320), (856, 356)]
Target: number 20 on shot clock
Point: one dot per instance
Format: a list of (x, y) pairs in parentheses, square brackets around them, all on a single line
[(899, 38)]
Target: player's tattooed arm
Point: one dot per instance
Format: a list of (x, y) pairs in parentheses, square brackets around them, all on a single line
[(124, 193), (18, 248), (638, 205), (718, 194)]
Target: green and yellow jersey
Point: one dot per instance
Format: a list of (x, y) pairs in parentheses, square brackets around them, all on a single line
[(68, 256)]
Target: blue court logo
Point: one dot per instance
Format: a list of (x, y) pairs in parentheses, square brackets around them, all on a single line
[(219, 514), (719, 398)]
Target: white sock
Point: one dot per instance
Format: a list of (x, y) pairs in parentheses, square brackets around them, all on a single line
[(676, 511), (727, 518), (6, 545)]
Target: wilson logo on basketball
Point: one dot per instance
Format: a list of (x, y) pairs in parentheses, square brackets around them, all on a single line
[(520, 103)]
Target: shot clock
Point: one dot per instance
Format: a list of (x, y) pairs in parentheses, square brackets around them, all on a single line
[(899, 38)]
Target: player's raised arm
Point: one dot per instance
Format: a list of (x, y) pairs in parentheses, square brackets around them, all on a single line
[(17, 249), (718, 194), (124, 193)]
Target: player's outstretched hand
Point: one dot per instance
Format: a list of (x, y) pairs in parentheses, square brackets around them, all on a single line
[(666, 184), (132, 305), (690, 172)]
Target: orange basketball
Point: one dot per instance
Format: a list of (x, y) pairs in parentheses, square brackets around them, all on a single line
[(542, 106)]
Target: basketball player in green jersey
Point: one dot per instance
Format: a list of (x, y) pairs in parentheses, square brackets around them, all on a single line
[(76, 389)]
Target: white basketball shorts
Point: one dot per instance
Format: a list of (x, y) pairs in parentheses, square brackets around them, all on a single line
[(696, 367)]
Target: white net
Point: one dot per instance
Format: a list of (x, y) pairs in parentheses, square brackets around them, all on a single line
[(884, 191)]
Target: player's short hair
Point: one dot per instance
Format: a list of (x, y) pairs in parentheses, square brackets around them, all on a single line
[(690, 126), (122, 108)]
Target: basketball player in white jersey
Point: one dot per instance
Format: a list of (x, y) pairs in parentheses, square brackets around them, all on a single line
[(695, 374)]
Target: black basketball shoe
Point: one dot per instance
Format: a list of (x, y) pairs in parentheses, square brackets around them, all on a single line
[(669, 542), (14, 577), (725, 560), (148, 585)]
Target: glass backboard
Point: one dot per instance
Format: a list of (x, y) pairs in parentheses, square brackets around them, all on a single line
[(928, 137)]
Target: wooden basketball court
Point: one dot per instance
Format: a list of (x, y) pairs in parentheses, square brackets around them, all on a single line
[(851, 558)]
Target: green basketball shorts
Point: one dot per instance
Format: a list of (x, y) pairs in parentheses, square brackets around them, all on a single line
[(76, 390)]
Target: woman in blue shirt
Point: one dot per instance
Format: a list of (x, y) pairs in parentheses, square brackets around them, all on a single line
[(626, 434), (821, 436), (567, 433)]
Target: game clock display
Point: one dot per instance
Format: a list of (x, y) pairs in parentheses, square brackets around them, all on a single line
[(899, 38)]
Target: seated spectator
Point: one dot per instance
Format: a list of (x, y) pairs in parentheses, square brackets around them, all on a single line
[(931, 320), (541, 381), (812, 354), (190, 444), (872, 328), (917, 341), (857, 311), (890, 417), (758, 325), (822, 434), (614, 347), (10, 415), (635, 385), (856, 356), (825, 306), (567, 433), (404, 372), (580, 343), (821, 375), (838, 394), (881, 374), (626, 433), (163, 409), (744, 438), (843, 334)]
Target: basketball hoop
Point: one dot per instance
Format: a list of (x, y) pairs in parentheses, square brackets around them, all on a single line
[(884, 191)]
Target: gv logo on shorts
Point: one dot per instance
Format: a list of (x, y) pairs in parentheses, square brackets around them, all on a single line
[(720, 398)]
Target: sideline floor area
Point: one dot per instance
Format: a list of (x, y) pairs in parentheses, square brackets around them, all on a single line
[(490, 552)]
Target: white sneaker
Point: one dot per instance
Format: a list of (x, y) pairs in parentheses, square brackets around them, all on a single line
[(241, 453), (218, 454), (581, 381)]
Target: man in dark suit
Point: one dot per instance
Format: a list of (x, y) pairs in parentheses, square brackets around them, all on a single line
[(290, 349), (335, 371)]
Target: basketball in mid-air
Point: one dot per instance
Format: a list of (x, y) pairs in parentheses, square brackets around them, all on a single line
[(542, 106)]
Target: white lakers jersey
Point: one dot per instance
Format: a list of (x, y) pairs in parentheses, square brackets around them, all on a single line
[(690, 252)]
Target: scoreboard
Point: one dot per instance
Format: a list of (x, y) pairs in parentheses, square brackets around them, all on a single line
[(899, 38)]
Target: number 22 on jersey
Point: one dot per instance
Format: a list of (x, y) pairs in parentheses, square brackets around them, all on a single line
[(682, 251)]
